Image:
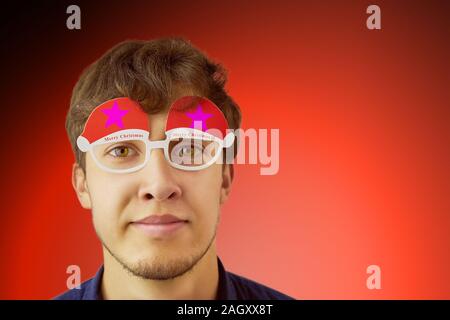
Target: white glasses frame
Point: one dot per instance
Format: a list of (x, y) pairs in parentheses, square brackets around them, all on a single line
[(143, 135)]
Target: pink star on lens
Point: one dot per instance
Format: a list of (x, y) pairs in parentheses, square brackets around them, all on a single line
[(199, 116), (114, 115)]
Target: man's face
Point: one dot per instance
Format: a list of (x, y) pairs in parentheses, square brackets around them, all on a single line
[(119, 200)]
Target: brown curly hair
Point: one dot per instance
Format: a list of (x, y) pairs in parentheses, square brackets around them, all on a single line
[(151, 73)]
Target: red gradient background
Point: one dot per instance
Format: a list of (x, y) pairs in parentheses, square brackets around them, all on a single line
[(364, 141)]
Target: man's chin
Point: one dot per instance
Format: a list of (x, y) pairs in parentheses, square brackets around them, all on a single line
[(160, 267), (156, 253), (158, 261)]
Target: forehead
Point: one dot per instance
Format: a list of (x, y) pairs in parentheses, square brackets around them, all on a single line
[(157, 125)]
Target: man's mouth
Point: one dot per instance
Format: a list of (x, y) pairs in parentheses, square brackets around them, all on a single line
[(160, 225), (160, 219)]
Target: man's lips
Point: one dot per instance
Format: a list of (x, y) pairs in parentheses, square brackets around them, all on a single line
[(159, 226), (160, 219)]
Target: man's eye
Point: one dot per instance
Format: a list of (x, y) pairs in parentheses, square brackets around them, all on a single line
[(121, 152), (183, 151), (189, 150)]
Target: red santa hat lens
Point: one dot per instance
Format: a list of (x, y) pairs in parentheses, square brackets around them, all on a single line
[(117, 135)]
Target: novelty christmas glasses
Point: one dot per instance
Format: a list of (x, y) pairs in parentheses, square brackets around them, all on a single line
[(116, 135)]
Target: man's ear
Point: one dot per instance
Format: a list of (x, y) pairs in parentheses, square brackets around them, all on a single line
[(79, 184), (227, 179)]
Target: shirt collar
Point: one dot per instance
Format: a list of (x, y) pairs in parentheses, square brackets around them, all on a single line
[(226, 289)]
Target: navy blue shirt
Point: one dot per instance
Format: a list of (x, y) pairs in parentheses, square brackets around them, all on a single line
[(231, 287)]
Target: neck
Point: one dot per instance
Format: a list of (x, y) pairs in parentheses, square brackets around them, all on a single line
[(201, 282)]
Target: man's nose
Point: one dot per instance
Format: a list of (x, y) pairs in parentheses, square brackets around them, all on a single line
[(158, 179)]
